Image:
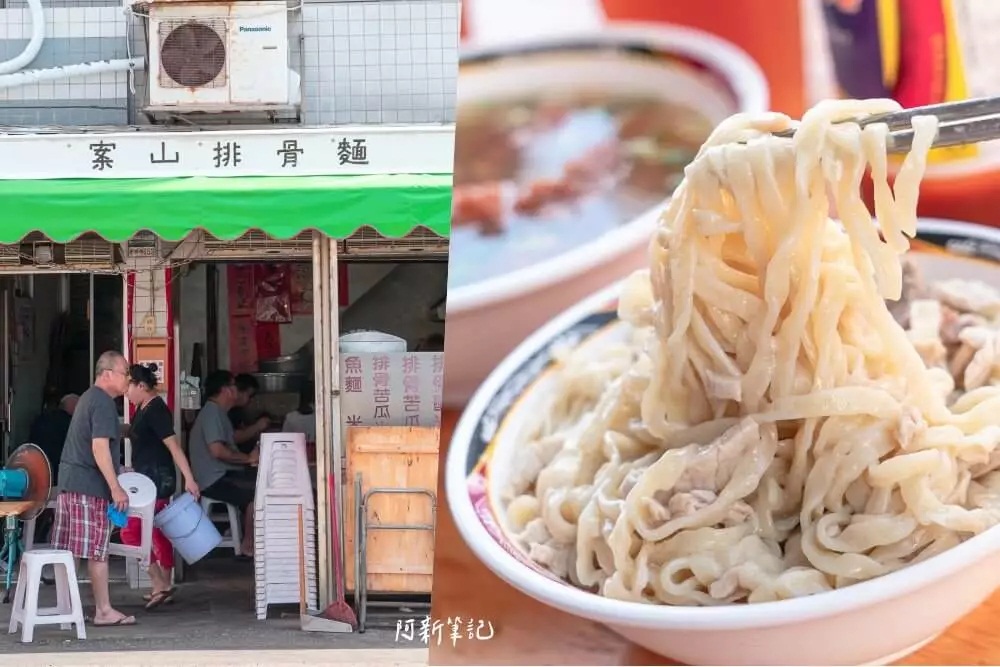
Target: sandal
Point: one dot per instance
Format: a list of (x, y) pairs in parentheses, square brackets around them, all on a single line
[(156, 600), (121, 622), (169, 599)]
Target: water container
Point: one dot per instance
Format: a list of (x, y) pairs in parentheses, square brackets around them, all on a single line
[(188, 528), (371, 342)]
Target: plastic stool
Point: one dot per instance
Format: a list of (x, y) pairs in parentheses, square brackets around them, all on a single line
[(28, 531), (68, 610), (234, 541), (139, 555)]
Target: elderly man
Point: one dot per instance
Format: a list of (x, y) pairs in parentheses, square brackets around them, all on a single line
[(88, 481)]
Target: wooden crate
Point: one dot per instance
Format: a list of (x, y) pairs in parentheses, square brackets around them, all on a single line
[(401, 457)]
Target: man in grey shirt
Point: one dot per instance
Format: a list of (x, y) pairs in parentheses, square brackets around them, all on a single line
[(88, 481), (220, 469)]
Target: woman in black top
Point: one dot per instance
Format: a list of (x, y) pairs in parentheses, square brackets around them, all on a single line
[(157, 454)]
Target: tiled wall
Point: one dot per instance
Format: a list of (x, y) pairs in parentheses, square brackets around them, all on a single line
[(73, 35), (367, 61), (380, 62), (150, 297)]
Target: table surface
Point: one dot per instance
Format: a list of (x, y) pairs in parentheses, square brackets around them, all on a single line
[(528, 632), (14, 507)]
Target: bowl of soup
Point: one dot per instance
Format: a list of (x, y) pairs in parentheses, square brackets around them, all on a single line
[(566, 149)]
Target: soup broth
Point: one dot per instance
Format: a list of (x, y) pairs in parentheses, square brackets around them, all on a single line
[(538, 176)]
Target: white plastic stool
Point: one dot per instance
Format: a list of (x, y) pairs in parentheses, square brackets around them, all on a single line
[(68, 610), (28, 532), (234, 541)]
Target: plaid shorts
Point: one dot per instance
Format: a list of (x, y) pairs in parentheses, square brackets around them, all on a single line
[(82, 526)]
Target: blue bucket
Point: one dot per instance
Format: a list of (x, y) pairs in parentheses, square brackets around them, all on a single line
[(188, 528)]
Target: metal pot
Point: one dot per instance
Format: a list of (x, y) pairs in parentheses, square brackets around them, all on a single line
[(280, 383), (290, 363)]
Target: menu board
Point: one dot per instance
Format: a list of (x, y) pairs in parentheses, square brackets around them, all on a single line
[(391, 388)]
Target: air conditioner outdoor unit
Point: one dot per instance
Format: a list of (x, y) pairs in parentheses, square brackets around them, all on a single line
[(224, 57)]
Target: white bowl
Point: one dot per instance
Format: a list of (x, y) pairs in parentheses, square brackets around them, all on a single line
[(488, 318), (873, 622)]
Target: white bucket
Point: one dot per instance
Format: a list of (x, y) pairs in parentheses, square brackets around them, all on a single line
[(188, 528), (371, 342)]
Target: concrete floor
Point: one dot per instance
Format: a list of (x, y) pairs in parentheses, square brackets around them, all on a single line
[(212, 610)]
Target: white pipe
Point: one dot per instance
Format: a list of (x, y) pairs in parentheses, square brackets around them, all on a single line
[(69, 71), (34, 45)]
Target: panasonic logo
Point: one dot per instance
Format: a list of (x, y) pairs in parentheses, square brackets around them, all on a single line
[(255, 28)]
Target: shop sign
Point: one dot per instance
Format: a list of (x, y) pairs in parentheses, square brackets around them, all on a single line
[(349, 150), (391, 388)]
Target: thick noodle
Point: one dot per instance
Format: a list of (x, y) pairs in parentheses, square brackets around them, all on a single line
[(768, 430)]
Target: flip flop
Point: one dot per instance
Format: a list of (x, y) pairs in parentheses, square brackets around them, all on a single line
[(170, 596), (156, 600), (120, 623)]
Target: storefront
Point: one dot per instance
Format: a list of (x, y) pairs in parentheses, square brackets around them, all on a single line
[(143, 229)]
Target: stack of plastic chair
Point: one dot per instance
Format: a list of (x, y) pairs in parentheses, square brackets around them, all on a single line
[(283, 486)]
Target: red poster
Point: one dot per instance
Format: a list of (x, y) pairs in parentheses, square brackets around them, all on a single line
[(267, 336), (274, 293), (242, 344), (240, 284), (302, 289), (343, 293)]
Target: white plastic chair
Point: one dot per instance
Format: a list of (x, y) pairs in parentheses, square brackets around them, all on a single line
[(232, 515), (69, 608), (139, 553)]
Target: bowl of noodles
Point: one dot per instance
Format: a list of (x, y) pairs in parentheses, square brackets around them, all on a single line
[(566, 148), (779, 443)]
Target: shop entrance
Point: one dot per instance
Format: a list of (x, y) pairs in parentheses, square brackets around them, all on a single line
[(53, 326)]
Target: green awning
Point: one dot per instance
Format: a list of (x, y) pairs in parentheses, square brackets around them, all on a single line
[(227, 208)]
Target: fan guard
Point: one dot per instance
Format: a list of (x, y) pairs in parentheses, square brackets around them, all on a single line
[(193, 53)]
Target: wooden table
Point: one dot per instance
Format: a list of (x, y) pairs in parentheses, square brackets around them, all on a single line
[(15, 507), (528, 632)]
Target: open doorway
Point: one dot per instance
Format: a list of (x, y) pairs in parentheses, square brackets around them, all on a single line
[(55, 326)]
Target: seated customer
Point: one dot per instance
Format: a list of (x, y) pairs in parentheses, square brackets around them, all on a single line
[(246, 431), (220, 469), (49, 430)]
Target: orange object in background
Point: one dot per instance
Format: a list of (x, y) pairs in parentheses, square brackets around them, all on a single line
[(943, 51), (770, 31)]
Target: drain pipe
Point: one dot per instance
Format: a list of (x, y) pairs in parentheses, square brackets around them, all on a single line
[(70, 71), (34, 45)]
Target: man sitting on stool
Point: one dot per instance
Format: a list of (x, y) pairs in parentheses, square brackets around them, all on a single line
[(221, 470)]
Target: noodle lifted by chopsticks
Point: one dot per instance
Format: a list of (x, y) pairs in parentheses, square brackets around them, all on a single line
[(769, 431)]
